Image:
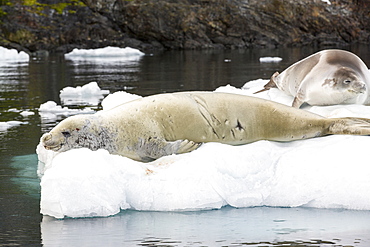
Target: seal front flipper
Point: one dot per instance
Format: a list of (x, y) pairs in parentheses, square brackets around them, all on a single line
[(186, 146), (298, 101), (270, 84), (154, 148)]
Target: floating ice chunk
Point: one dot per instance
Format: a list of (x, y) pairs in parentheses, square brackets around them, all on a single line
[(51, 110), (13, 110), (87, 94), (12, 55), (107, 54), (270, 59), (91, 88), (27, 113), (4, 126), (118, 98)]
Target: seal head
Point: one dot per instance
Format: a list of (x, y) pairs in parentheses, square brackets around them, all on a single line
[(77, 132), (344, 86), (328, 77)]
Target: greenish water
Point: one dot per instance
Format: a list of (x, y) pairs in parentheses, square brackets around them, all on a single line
[(24, 86)]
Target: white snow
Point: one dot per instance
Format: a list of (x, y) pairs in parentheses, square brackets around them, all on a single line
[(113, 54), (87, 94), (12, 55), (325, 172), (270, 59)]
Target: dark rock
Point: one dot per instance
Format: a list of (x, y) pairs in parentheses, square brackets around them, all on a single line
[(60, 26)]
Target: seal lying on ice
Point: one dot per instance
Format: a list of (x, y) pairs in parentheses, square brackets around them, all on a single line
[(164, 124), (327, 77)]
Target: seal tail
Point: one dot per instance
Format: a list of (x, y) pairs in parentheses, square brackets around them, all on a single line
[(270, 84), (349, 126)]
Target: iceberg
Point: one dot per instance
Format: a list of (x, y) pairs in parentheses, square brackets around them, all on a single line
[(326, 172), (12, 55)]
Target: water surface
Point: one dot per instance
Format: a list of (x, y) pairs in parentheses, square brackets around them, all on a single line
[(26, 85)]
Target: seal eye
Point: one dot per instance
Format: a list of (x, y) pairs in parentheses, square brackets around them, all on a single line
[(66, 134), (347, 81)]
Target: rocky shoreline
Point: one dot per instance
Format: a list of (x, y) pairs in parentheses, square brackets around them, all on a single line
[(37, 26)]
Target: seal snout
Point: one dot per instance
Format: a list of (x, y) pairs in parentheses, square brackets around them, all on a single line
[(48, 143), (46, 137), (359, 87)]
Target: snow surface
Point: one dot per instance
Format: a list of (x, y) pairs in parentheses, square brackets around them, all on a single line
[(325, 172), (12, 55), (112, 54), (270, 59)]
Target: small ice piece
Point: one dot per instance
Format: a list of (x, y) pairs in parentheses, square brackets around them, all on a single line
[(13, 110), (326, 1), (270, 59), (4, 126), (51, 110), (87, 94), (27, 113)]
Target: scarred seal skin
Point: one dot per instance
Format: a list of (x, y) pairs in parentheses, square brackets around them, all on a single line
[(164, 124), (328, 77)]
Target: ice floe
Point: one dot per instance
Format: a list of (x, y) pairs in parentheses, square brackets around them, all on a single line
[(105, 55), (89, 94), (325, 172)]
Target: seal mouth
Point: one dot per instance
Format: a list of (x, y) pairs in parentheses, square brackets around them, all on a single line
[(356, 91), (53, 148)]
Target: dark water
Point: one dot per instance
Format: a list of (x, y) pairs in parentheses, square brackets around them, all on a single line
[(24, 86)]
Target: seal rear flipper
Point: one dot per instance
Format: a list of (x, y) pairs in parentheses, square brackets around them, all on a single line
[(270, 84), (349, 126)]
